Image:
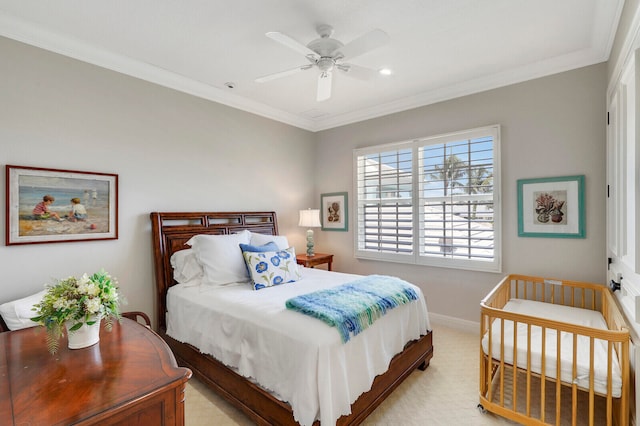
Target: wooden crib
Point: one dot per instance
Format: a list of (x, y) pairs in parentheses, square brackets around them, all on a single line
[(534, 330)]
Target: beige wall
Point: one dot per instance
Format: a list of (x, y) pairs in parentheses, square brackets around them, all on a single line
[(171, 151), (553, 126), (60, 113)]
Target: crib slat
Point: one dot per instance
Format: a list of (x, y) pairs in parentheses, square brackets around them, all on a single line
[(528, 370), (574, 386), (558, 376), (502, 362), (483, 379), (489, 358), (623, 356), (573, 296), (609, 383), (514, 368), (591, 384), (543, 375), (535, 291)]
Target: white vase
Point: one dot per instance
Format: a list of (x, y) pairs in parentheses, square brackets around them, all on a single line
[(85, 336)]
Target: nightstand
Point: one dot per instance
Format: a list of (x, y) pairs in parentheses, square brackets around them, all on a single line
[(315, 260)]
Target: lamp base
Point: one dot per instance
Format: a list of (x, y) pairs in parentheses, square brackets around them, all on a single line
[(310, 244)]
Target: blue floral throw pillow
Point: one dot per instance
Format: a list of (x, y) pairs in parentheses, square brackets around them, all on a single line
[(272, 267)]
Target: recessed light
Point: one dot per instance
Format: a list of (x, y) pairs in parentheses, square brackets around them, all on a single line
[(385, 71)]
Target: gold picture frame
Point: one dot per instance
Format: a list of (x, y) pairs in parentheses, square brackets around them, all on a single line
[(54, 205)]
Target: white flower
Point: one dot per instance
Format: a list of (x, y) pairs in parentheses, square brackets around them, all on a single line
[(92, 305), (60, 304), (92, 289)]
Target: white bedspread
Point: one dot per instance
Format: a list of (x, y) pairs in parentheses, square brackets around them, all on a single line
[(578, 316), (298, 358)]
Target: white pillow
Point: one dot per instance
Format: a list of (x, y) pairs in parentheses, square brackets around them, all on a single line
[(262, 239), (221, 257), (17, 314), (185, 266)]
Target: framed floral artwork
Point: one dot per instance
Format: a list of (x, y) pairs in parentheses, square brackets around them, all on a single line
[(334, 211), (551, 207), (53, 205)]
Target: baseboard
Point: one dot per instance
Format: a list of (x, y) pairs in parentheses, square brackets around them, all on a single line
[(457, 323)]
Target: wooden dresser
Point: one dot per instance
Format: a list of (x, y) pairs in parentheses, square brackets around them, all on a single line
[(129, 378)]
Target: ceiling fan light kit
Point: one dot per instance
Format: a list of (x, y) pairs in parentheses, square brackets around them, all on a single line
[(327, 54)]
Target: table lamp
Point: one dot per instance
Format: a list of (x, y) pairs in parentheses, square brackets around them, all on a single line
[(310, 218)]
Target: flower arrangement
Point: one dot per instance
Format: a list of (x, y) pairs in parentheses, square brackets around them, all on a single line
[(79, 301)]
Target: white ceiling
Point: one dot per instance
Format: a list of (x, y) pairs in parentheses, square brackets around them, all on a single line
[(438, 49)]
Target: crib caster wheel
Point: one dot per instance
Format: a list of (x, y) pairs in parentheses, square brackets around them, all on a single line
[(481, 409)]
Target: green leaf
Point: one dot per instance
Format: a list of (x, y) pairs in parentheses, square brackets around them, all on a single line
[(76, 326)]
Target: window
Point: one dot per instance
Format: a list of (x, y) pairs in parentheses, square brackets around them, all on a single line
[(432, 201)]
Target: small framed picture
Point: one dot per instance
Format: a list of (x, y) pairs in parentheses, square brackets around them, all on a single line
[(551, 207), (334, 215), (51, 205)]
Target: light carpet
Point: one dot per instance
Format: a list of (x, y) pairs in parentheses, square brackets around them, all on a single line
[(446, 393)]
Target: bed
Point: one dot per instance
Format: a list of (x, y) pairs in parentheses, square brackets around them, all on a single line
[(170, 232), (554, 352)]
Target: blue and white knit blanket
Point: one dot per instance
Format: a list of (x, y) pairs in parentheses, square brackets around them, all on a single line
[(354, 306)]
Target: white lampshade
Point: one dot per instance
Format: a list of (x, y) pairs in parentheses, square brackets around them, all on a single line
[(310, 218)]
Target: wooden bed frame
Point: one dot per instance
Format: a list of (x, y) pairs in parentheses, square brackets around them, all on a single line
[(500, 390), (170, 231)]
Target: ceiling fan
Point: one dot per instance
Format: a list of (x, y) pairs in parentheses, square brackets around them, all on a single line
[(328, 54)]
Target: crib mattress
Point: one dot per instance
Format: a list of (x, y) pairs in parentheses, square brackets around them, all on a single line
[(577, 316)]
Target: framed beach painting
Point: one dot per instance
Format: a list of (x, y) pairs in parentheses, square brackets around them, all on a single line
[(551, 207), (334, 213), (52, 205)]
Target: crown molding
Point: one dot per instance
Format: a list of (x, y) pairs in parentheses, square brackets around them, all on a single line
[(29, 33), (33, 35), (513, 76), (630, 43)]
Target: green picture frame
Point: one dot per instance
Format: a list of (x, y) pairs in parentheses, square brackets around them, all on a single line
[(551, 207), (334, 211)]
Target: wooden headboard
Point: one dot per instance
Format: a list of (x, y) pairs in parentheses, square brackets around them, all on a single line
[(170, 231)]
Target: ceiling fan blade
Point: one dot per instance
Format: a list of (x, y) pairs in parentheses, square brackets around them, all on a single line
[(363, 44), (324, 86), (284, 73), (291, 43), (356, 71)]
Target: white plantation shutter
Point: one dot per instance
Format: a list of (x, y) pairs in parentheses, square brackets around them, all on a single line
[(431, 201), (385, 201)]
